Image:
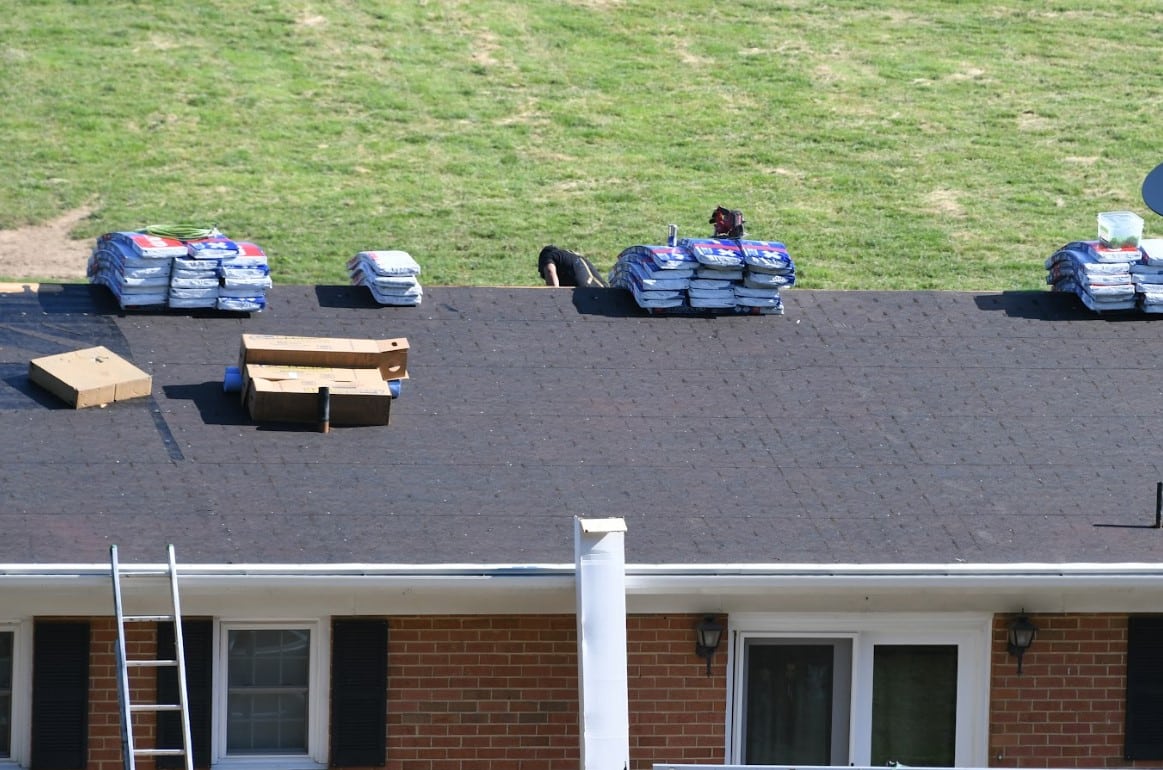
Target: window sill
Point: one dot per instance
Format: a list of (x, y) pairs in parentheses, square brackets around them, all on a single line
[(267, 762)]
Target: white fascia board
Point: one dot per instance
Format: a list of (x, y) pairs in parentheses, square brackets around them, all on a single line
[(1129, 587), (1031, 569), (547, 588)]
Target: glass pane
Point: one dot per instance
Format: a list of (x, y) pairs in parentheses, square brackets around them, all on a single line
[(6, 638), (6, 661), (914, 705), (789, 704), (5, 724), (267, 693)]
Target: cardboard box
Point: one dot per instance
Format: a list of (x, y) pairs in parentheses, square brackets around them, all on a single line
[(278, 393), (90, 377), (389, 357)]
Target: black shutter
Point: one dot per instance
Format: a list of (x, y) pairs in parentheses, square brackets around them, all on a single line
[(359, 692), (60, 695), (198, 639), (1144, 687)]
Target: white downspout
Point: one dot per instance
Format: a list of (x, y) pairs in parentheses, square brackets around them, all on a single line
[(600, 564)]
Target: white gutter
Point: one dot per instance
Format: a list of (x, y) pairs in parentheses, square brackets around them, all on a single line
[(549, 588), (646, 574)]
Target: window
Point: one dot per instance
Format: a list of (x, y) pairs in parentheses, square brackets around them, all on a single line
[(271, 702), (261, 693), (7, 646), (859, 689), (16, 643), (914, 704), (268, 671)]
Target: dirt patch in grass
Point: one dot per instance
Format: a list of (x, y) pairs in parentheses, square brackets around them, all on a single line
[(46, 251)]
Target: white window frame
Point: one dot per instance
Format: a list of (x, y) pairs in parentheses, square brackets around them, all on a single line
[(317, 698), (20, 741), (970, 632)]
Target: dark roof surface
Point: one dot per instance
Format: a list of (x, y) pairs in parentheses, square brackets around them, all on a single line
[(858, 427)]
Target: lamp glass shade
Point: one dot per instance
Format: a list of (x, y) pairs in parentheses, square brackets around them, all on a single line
[(1022, 633), (708, 633)]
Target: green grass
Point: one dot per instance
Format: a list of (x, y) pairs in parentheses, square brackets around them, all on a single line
[(934, 144)]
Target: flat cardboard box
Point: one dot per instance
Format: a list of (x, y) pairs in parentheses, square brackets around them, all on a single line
[(89, 377), (279, 393), (389, 356)]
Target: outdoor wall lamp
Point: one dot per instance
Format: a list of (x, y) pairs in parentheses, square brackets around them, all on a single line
[(1021, 636), (708, 634)]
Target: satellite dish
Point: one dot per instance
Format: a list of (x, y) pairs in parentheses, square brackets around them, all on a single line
[(1153, 190)]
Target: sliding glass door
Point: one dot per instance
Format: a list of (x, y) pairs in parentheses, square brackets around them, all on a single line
[(797, 702), (859, 696)]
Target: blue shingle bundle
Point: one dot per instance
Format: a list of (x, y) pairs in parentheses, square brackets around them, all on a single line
[(707, 275), (657, 276), (1100, 277), (134, 266), (1148, 275), (390, 275), (244, 278), (144, 270)]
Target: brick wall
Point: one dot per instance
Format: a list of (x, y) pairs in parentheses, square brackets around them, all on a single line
[(104, 706), (1067, 707), (677, 712), (502, 691)]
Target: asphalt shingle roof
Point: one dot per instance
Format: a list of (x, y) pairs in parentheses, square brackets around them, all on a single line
[(859, 427)]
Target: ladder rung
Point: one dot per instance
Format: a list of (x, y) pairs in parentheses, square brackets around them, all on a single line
[(160, 752), (156, 707), (146, 618), (151, 663), (133, 572)]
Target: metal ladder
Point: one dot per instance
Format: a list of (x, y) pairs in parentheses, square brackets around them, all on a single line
[(129, 752)]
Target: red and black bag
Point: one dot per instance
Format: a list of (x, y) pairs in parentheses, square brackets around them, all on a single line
[(728, 223)]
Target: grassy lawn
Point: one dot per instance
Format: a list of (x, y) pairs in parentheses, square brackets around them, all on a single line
[(931, 144)]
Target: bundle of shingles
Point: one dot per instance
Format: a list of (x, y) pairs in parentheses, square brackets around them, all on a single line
[(1100, 277), (1148, 275), (136, 267), (707, 275), (1106, 278), (244, 277), (390, 276), (145, 270)]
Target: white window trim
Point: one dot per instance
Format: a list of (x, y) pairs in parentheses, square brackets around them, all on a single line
[(971, 633), (21, 739), (317, 702)]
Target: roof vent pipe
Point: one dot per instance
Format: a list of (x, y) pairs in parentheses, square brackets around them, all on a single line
[(600, 570)]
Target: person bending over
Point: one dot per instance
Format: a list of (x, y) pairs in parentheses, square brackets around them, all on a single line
[(560, 267)]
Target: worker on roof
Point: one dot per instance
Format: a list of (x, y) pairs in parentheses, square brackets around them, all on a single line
[(560, 267)]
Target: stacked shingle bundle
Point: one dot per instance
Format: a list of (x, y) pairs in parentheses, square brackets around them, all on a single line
[(769, 268), (194, 282), (657, 276), (245, 277), (1148, 275), (136, 267), (147, 270), (390, 275), (1101, 277), (720, 268), (721, 274)]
